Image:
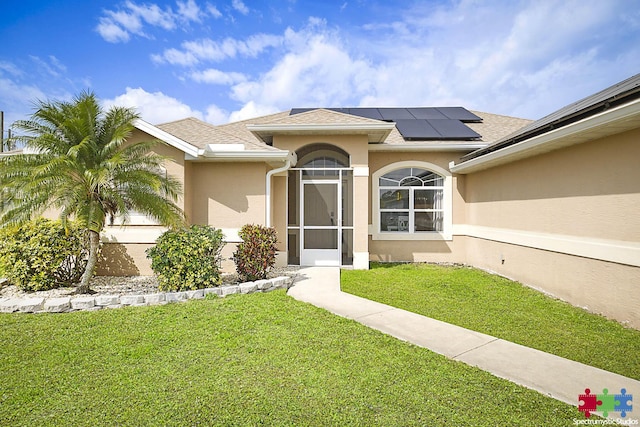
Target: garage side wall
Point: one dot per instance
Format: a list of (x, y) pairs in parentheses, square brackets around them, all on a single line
[(565, 222)]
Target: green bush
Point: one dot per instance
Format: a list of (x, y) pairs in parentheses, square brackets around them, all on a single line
[(187, 258), (256, 254), (42, 254)]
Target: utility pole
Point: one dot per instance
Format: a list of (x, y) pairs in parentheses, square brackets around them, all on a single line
[(1, 131)]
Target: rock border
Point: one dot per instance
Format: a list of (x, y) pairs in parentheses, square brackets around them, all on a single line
[(92, 303)]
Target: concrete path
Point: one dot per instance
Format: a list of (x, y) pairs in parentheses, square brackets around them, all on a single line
[(551, 375)]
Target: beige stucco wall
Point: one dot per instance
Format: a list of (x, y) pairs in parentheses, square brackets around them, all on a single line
[(589, 190), (228, 194), (583, 196), (606, 288), (419, 250)]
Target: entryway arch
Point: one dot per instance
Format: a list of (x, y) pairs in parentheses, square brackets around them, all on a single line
[(320, 207)]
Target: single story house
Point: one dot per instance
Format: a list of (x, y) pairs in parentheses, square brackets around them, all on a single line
[(553, 203)]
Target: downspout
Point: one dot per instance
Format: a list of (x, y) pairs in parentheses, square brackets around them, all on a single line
[(272, 172)]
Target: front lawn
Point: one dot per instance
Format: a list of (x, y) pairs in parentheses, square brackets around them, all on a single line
[(260, 359), (496, 306)]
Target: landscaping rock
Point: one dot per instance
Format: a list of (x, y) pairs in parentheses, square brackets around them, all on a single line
[(215, 291), (246, 288), (131, 299), (263, 284), (154, 298), (31, 305), (175, 296), (229, 290), (107, 300), (197, 294), (279, 282), (9, 305), (57, 305), (83, 303)]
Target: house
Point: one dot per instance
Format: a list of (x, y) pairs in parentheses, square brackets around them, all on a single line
[(553, 203)]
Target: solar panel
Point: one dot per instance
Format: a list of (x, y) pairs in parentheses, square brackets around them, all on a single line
[(426, 113), (419, 123), (393, 114), (300, 110), (459, 113), (369, 113), (453, 129), (416, 129)]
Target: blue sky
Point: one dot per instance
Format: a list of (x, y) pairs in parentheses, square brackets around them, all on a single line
[(227, 60)]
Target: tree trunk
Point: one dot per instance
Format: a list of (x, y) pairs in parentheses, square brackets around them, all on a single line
[(94, 245)]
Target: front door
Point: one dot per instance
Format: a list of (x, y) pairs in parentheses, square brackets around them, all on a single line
[(321, 222)]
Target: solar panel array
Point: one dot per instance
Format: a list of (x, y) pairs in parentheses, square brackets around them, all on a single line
[(419, 123)]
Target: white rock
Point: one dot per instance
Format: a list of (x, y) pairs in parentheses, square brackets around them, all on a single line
[(197, 294), (229, 290), (57, 305), (246, 288), (83, 303), (279, 282), (215, 291), (9, 305), (154, 298), (175, 296), (263, 284), (30, 305), (107, 300), (131, 299)]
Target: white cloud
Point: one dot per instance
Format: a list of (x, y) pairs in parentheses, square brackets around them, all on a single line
[(213, 11), (118, 26), (205, 50), (112, 32), (189, 11), (216, 115), (153, 107), (214, 76), (240, 6), (252, 109)]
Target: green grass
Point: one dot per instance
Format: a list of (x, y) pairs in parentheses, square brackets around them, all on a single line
[(496, 306), (260, 359)]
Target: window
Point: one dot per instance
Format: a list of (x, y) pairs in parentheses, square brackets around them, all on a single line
[(412, 200)]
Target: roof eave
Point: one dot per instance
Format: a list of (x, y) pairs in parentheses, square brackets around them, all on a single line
[(156, 132), (427, 147), (271, 157), (609, 122), (377, 132)]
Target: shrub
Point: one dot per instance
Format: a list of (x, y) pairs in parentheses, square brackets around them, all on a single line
[(43, 254), (256, 254), (187, 258)]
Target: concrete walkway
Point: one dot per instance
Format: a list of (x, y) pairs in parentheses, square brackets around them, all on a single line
[(551, 375)]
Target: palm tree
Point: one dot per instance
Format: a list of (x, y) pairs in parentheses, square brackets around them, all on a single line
[(77, 161)]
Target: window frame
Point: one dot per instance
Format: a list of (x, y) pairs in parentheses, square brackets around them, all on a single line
[(447, 204)]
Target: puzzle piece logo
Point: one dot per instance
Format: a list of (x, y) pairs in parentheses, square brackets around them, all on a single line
[(605, 403), (589, 402)]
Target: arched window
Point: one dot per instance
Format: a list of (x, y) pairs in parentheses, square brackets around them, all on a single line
[(412, 200)]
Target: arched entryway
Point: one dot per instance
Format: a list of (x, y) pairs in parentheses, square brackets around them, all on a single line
[(320, 207)]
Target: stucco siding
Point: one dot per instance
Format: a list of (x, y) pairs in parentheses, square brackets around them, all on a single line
[(565, 222), (602, 287), (587, 190), (228, 195)]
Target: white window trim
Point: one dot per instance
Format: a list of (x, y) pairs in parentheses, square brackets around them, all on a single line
[(447, 227)]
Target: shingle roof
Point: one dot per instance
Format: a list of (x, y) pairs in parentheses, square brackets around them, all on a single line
[(199, 133)]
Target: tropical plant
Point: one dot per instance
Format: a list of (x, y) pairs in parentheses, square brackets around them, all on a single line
[(187, 258), (42, 254), (77, 162), (256, 254)]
